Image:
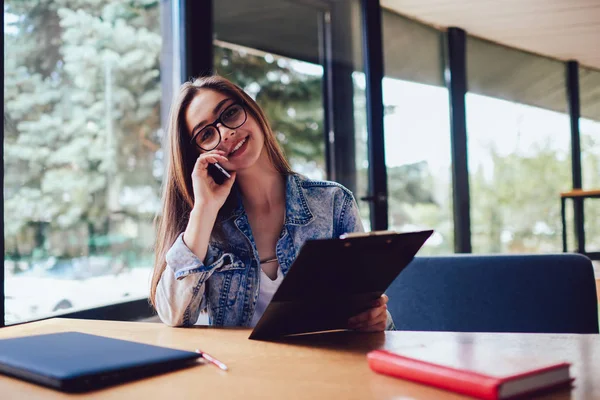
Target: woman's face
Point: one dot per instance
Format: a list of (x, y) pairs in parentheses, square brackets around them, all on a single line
[(242, 145)]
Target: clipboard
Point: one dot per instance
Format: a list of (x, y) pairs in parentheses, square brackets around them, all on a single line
[(332, 280)]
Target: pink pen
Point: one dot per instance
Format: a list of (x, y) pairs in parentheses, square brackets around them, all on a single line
[(212, 360)]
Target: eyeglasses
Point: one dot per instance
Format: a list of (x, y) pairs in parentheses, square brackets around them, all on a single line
[(209, 137)]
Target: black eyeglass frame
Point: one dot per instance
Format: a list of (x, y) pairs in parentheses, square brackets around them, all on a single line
[(216, 122)]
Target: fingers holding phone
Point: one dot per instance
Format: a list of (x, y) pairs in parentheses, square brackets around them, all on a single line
[(211, 185), (218, 173)]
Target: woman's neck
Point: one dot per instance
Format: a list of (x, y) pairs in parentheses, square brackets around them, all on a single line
[(262, 186)]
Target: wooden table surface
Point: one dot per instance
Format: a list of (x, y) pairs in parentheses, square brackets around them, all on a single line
[(326, 366)]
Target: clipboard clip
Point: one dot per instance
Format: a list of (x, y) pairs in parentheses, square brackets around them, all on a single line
[(351, 235)]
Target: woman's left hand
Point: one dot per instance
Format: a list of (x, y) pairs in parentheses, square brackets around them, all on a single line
[(372, 320)]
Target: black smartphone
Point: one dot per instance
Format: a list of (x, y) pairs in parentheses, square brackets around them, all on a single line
[(218, 173)]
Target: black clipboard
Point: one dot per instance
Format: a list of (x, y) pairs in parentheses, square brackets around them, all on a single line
[(332, 280)]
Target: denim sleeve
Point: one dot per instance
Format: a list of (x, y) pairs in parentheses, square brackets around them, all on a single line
[(389, 323), (350, 217), (181, 287)]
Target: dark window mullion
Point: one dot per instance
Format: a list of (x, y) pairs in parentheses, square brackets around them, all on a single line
[(572, 79), (373, 65), (456, 82), (196, 38)]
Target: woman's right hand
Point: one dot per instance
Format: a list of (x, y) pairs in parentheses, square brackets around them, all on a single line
[(207, 193)]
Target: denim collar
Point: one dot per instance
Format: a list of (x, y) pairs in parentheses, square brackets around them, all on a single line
[(296, 206), (297, 211)]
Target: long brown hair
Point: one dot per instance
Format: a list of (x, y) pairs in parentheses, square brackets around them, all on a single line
[(177, 195)]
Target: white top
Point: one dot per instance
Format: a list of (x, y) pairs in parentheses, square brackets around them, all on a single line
[(267, 289)]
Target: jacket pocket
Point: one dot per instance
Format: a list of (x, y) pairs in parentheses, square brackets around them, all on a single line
[(225, 285)]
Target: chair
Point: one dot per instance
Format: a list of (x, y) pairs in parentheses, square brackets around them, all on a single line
[(497, 293)]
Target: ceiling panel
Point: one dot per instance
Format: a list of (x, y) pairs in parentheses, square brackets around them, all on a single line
[(514, 75), (563, 29), (287, 28)]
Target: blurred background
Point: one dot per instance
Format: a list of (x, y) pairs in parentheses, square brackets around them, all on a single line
[(88, 84)]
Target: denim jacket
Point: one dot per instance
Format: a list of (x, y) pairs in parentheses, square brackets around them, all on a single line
[(226, 284)]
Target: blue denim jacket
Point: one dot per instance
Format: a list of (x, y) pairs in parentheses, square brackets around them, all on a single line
[(227, 283)]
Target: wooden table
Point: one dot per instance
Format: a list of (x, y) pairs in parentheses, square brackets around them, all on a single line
[(327, 366), (577, 195)]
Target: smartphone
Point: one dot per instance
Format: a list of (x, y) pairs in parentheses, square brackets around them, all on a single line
[(218, 173)]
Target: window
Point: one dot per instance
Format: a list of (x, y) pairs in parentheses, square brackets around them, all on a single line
[(417, 132), (263, 57), (82, 158), (418, 161), (518, 147), (297, 60)]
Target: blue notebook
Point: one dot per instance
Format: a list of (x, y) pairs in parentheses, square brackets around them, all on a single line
[(78, 362)]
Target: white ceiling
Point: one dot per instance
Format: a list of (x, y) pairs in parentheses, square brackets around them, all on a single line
[(563, 29)]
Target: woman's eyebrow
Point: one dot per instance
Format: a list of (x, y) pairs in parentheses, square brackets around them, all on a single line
[(215, 111)]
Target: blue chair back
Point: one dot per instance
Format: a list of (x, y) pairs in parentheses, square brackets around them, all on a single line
[(498, 293)]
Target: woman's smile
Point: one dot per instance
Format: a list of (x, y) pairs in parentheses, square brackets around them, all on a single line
[(239, 147)]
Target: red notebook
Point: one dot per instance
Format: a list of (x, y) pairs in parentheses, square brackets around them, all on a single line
[(473, 369)]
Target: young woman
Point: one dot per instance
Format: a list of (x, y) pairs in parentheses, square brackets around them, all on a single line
[(226, 248)]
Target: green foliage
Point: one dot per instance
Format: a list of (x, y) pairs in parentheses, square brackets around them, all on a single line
[(517, 209), (292, 100), (82, 98)]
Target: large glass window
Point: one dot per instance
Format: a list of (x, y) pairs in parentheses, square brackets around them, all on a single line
[(297, 61), (417, 132), (518, 147), (82, 159), (589, 130), (278, 65)]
